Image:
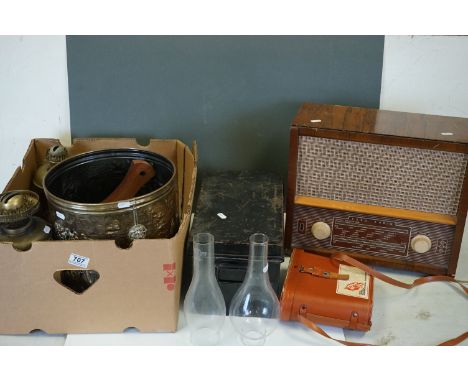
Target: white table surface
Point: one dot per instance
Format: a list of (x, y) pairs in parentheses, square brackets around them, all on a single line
[(287, 333), (425, 315)]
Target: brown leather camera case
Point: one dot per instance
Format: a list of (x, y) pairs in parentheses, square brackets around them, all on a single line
[(310, 293), (313, 293)]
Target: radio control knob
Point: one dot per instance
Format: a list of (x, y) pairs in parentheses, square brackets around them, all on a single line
[(320, 230), (421, 243)]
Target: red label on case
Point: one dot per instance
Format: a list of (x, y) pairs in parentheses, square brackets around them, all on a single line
[(354, 286)]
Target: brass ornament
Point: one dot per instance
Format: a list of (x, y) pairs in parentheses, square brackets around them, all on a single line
[(54, 155), (17, 223), (138, 231)]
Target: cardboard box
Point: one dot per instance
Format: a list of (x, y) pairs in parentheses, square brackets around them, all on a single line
[(138, 287)]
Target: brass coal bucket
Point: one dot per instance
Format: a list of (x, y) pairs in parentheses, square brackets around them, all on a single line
[(75, 188)]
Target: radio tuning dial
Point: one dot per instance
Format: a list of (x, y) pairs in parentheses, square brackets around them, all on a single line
[(421, 243), (321, 230)]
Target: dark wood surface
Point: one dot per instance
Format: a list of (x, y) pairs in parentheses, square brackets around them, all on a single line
[(383, 122), (291, 188), (460, 227), (380, 139)]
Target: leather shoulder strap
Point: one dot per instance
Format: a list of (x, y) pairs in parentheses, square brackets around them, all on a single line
[(422, 280), (302, 317)]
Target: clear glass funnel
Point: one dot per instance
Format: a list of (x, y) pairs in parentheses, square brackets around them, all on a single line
[(204, 305), (254, 309)]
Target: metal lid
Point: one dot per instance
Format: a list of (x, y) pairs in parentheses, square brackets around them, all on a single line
[(18, 205)]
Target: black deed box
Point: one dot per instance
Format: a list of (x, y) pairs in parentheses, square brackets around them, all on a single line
[(232, 206)]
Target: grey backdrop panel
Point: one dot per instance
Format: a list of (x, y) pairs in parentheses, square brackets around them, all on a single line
[(235, 95)]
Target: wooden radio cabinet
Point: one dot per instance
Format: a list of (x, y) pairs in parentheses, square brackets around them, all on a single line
[(382, 186)]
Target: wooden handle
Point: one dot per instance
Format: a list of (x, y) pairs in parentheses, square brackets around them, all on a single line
[(138, 174)]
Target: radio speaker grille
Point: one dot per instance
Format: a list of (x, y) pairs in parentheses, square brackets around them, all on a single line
[(375, 174)]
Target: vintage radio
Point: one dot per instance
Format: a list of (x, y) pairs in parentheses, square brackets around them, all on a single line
[(385, 187)]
